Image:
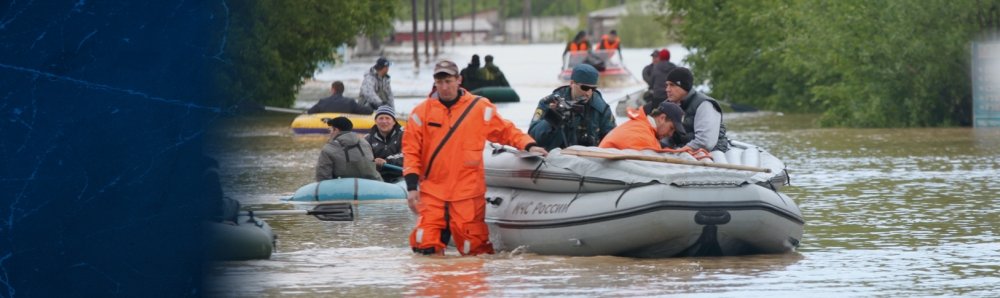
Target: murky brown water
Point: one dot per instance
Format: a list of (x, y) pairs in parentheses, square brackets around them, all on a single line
[(890, 212)]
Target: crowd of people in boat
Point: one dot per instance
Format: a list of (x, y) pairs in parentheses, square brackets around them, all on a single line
[(440, 149)]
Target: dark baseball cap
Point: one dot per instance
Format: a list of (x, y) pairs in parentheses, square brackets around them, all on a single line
[(675, 114)]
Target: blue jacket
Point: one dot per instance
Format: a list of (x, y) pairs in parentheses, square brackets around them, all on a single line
[(585, 128)]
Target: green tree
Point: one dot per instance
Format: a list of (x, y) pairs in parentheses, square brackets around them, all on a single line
[(890, 63), (271, 45)]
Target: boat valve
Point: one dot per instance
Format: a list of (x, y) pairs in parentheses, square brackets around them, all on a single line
[(494, 201), (712, 217)]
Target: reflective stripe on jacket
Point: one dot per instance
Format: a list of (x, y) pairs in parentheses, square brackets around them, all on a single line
[(457, 171)]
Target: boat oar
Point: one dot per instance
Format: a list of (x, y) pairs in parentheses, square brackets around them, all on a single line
[(324, 212), (284, 110), (392, 167), (619, 156)]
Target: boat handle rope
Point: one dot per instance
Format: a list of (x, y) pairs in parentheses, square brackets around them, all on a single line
[(627, 188), (537, 172), (578, 189)]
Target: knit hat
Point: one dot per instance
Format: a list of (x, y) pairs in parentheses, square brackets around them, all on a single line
[(584, 74), (664, 54), (681, 76), (382, 62), (385, 110), (675, 114), (341, 123)]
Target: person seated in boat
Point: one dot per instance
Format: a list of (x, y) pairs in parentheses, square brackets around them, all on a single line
[(702, 114), (659, 77), (579, 44), (491, 76), (647, 72), (346, 154), (470, 75), (644, 130), (375, 88), (386, 139), (610, 42), (337, 103), (575, 114)]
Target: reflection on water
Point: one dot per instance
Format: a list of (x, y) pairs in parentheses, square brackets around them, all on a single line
[(889, 212)]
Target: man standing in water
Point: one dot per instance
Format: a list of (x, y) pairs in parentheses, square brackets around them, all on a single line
[(375, 89), (443, 153)]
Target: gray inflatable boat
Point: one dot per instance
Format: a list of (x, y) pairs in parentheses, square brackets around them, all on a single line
[(582, 206)]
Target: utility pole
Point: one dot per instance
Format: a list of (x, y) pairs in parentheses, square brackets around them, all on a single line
[(440, 31), (434, 22), (502, 20), (473, 33), (416, 57), (526, 21), (427, 31), (452, 23)]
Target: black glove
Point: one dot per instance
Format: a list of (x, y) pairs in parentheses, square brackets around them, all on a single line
[(553, 117)]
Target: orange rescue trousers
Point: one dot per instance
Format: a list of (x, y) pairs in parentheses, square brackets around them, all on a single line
[(467, 225)]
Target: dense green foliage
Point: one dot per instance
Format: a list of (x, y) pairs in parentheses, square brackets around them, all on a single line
[(271, 45), (892, 63), (640, 29)]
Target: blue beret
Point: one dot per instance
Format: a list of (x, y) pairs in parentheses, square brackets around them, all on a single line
[(584, 74)]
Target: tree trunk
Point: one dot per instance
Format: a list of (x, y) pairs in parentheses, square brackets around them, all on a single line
[(434, 24), (416, 51), (473, 33), (427, 31)]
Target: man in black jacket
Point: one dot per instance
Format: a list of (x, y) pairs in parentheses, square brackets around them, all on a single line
[(337, 103), (386, 139)]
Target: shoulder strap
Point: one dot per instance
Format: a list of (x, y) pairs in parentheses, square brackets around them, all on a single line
[(346, 154), (448, 136)]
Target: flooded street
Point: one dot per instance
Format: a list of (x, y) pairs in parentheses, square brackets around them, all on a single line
[(889, 212)]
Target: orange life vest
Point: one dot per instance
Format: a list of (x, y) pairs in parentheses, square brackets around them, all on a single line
[(581, 46), (609, 44)]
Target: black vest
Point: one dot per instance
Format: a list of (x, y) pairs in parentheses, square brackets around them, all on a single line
[(690, 107)]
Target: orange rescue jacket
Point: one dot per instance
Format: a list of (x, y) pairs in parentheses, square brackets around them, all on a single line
[(456, 172), (636, 133), (581, 46), (610, 44)]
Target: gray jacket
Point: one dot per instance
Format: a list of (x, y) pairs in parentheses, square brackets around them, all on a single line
[(659, 79), (703, 122), (376, 91), (346, 155)]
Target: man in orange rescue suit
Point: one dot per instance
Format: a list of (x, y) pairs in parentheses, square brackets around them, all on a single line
[(443, 153), (645, 132)]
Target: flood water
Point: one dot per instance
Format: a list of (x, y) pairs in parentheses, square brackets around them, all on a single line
[(889, 212)]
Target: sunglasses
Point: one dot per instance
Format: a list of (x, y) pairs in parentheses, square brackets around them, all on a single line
[(587, 88)]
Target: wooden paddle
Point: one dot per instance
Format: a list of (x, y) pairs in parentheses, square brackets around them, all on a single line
[(620, 156), (324, 212)]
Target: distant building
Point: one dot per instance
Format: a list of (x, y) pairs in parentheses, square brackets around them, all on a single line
[(464, 31)]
